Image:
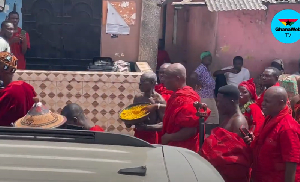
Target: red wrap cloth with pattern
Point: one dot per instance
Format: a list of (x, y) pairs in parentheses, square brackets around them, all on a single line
[(16, 99), (277, 144), (229, 154), (166, 94), (181, 113), (253, 114)]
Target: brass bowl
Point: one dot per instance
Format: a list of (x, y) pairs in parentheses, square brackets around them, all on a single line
[(134, 121)]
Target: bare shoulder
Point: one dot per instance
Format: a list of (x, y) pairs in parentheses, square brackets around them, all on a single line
[(138, 98), (238, 122)]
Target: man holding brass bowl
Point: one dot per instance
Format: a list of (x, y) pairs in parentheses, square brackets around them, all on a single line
[(146, 125), (180, 123)]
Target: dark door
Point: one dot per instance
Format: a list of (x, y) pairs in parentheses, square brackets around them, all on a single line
[(65, 34)]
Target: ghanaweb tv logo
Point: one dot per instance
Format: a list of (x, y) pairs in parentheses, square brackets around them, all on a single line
[(286, 27), (288, 22)]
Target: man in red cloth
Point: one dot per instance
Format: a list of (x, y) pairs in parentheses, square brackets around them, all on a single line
[(16, 97), (248, 106), (269, 78), (75, 116), (225, 148), (180, 123), (276, 151), (160, 88), (20, 41)]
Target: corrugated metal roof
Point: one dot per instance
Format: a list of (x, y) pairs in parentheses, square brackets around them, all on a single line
[(226, 5), (280, 1)]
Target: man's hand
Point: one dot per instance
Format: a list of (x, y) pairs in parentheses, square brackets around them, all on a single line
[(249, 138), (141, 127), (23, 39), (151, 108), (15, 39), (165, 139)]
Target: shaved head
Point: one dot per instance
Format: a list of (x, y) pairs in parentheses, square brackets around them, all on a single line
[(151, 76), (147, 82), (175, 77), (177, 69), (165, 65), (275, 99)]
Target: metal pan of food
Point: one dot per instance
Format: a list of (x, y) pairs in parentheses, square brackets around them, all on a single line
[(134, 114)]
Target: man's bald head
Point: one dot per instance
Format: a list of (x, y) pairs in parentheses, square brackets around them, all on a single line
[(161, 72), (147, 82), (175, 77), (275, 99), (177, 69), (165, 66), (150, 76)]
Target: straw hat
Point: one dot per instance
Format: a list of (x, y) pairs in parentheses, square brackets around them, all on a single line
[(40, 116)]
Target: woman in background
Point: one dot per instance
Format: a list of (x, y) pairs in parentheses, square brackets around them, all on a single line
[(249, 108), (204, 85)]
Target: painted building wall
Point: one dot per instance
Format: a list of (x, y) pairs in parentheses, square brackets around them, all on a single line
[(125, 47), (245, 33), (248, 34)]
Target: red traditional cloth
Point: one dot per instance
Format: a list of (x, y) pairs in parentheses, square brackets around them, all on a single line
[(255, 117), (277, 144), (166, 94), (250, 86), (16, 49), (261, 97), (162, 57), (96, 128), (180, 113), (15, 101), (162, 90), (229, 154), (297, 111), (148, 136)]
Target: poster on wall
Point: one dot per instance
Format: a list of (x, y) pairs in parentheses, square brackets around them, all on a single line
[(6, 6)]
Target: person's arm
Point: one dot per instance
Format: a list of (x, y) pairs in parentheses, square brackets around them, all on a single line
[(220, 72), (290, 152), (154, 127), (290, 171)]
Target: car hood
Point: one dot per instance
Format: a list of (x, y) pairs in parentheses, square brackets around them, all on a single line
[(36, 161)]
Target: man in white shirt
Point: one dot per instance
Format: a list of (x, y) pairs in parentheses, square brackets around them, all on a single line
[(7, 30), (235, 74)]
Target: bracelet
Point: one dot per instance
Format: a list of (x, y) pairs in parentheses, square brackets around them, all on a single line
[(158, 106)]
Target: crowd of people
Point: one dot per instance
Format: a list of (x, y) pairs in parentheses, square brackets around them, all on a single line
[(257, 137), (13, 39)]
